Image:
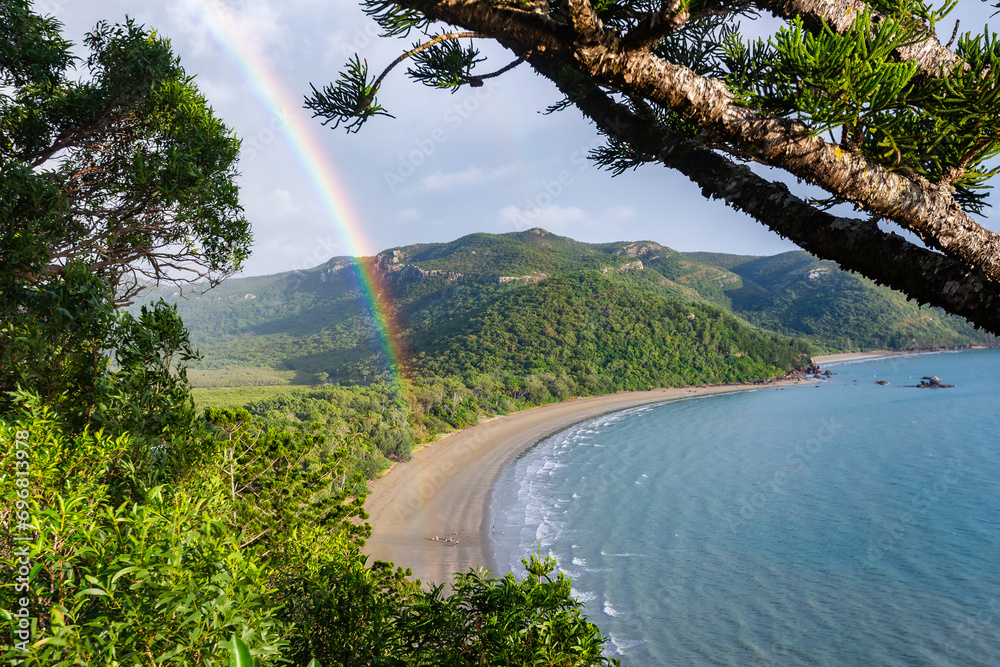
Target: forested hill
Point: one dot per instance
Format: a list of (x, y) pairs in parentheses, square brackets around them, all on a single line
[(799, 295), (602, 316)]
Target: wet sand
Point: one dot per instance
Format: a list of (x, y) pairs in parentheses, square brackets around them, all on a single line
[(824, 359), (445, 490)]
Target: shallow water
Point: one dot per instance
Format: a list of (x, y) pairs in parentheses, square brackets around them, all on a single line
[(850, 524)]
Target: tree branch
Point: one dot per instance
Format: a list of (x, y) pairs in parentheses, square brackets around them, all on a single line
[(857, 245), (657, 25), (585, 24), (478, 80), (409, 54), (930, 55), (928, 210), (964, 280)]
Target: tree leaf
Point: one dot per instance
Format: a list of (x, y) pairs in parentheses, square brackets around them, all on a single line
[(241, 654)]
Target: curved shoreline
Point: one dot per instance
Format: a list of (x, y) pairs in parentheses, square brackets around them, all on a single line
[(445, 490), (823, 359)]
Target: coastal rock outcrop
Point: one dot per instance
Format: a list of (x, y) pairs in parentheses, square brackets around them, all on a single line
[(931, 382)]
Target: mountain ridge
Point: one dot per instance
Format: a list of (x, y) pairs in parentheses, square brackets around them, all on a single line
[(316, 320)]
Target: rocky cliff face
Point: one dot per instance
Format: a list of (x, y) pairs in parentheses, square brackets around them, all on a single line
[(393, 267), (631, 266), (642, 249), (533, 278)]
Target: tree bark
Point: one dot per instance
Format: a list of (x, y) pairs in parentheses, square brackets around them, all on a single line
[(857, 245), (927, 209)]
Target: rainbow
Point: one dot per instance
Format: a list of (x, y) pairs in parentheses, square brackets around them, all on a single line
[(300, 135)]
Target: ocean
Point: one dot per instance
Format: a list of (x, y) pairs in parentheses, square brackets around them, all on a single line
[(846, 524)]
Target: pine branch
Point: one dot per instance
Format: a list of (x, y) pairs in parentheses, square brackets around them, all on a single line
[(929, 211), (929, 54), (351, 100), (857, 245), (477, 81), (414, 51), (571, 44)]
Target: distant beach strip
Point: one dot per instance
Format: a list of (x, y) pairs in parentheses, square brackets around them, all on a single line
[(431, 514)]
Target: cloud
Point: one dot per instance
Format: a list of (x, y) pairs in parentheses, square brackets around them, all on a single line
[(284, 202), (258, 23), (343, 44), (473, 176), (409, 215), (567, 219), (618, 214), (550, 217)]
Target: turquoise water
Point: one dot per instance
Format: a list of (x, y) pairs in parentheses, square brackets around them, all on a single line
[(850, 524)]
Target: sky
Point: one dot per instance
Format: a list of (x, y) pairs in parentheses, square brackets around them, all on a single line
[(479, 160)]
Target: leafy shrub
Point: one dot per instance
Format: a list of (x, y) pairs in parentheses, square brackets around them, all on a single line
[(133, 582)]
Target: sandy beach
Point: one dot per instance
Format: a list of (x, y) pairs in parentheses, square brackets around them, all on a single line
[(444, 492), (824, 359)]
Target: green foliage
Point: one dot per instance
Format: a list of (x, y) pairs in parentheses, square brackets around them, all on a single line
[(276, 481), (444, 65), (131, 154), (346, 613), (116, 581), (481, 348), (395, 20), (96, 366), (351, 100), (181, 574), (943, 129), (798, 295), (587, 325), (285, 321), (210, 387), (106, 182), (241, 654), (828, 79), (515, 254), (506, 622), (316, 321), (370, 422), (35, 53), (155, 538), (349, 614), (940, 127)]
